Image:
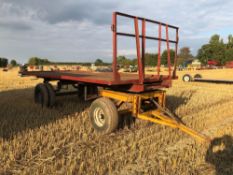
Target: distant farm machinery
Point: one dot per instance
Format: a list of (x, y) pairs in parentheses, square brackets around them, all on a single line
[(199, 78), (110, 90)]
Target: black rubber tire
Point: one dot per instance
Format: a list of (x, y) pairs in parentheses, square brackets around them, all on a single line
[(197, 76), (111, 117), (51, 94), (41, 95), (187, 78)]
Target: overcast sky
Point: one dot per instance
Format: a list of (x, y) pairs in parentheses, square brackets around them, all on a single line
[(79, 30)]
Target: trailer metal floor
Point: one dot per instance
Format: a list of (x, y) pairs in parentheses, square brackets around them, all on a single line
[(101, 78)]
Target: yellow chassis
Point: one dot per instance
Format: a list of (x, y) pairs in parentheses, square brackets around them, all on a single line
[(156, 115)]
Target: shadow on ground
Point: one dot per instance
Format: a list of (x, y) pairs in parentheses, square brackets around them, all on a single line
[(19, 113), (173, 102), (220, 155)]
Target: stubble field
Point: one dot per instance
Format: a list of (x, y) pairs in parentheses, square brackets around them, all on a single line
[(61, 140)]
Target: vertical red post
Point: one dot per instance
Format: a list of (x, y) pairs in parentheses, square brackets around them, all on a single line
[(143, 44), (114, 45), (159, 50), (140, 66), (168, 52), (176, 53)]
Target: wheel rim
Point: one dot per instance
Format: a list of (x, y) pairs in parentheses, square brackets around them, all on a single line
[(99, 117), (186, 78)]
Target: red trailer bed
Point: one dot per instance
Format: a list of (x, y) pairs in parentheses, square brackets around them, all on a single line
[(103, 79)]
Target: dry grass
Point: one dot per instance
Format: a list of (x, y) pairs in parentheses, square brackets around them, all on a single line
[(62, 141)]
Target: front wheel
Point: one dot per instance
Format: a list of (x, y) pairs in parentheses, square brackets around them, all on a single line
[(104, 115), (187, 78), (51, 94)]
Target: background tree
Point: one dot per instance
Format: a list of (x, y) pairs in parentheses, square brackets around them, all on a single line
[(204, 54), (215, 50), (215, 39), (164, 57), (184, 55), (151, 59), (218, 53), (3, 62), (99, 62), (229, 49), (33, 61), (230, 42), (134, 61), (123, 61), (38, 61), (13, 63), (229, 55)]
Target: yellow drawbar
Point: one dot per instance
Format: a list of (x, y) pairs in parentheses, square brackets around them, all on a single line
[(156, 113)]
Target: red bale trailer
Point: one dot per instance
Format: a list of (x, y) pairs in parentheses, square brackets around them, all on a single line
[(110, 90), (199, 78)]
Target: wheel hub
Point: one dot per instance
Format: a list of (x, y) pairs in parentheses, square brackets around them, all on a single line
[(186, 78), (99, 117)]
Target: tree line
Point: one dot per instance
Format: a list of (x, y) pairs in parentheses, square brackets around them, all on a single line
[(216, 50), (4, 62), (36, 61), (150, 59)]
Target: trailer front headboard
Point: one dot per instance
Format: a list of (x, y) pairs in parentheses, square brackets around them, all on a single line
[(141, 45)]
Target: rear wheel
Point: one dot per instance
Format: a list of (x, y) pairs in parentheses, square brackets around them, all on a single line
[(187, 78), (41, 95), (104, 115), (197, 76), (51, 94)]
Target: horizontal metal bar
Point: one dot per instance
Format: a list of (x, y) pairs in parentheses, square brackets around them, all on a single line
[(164, 120), (148, 20), (147, 37), (125, 97), (213, 81)]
